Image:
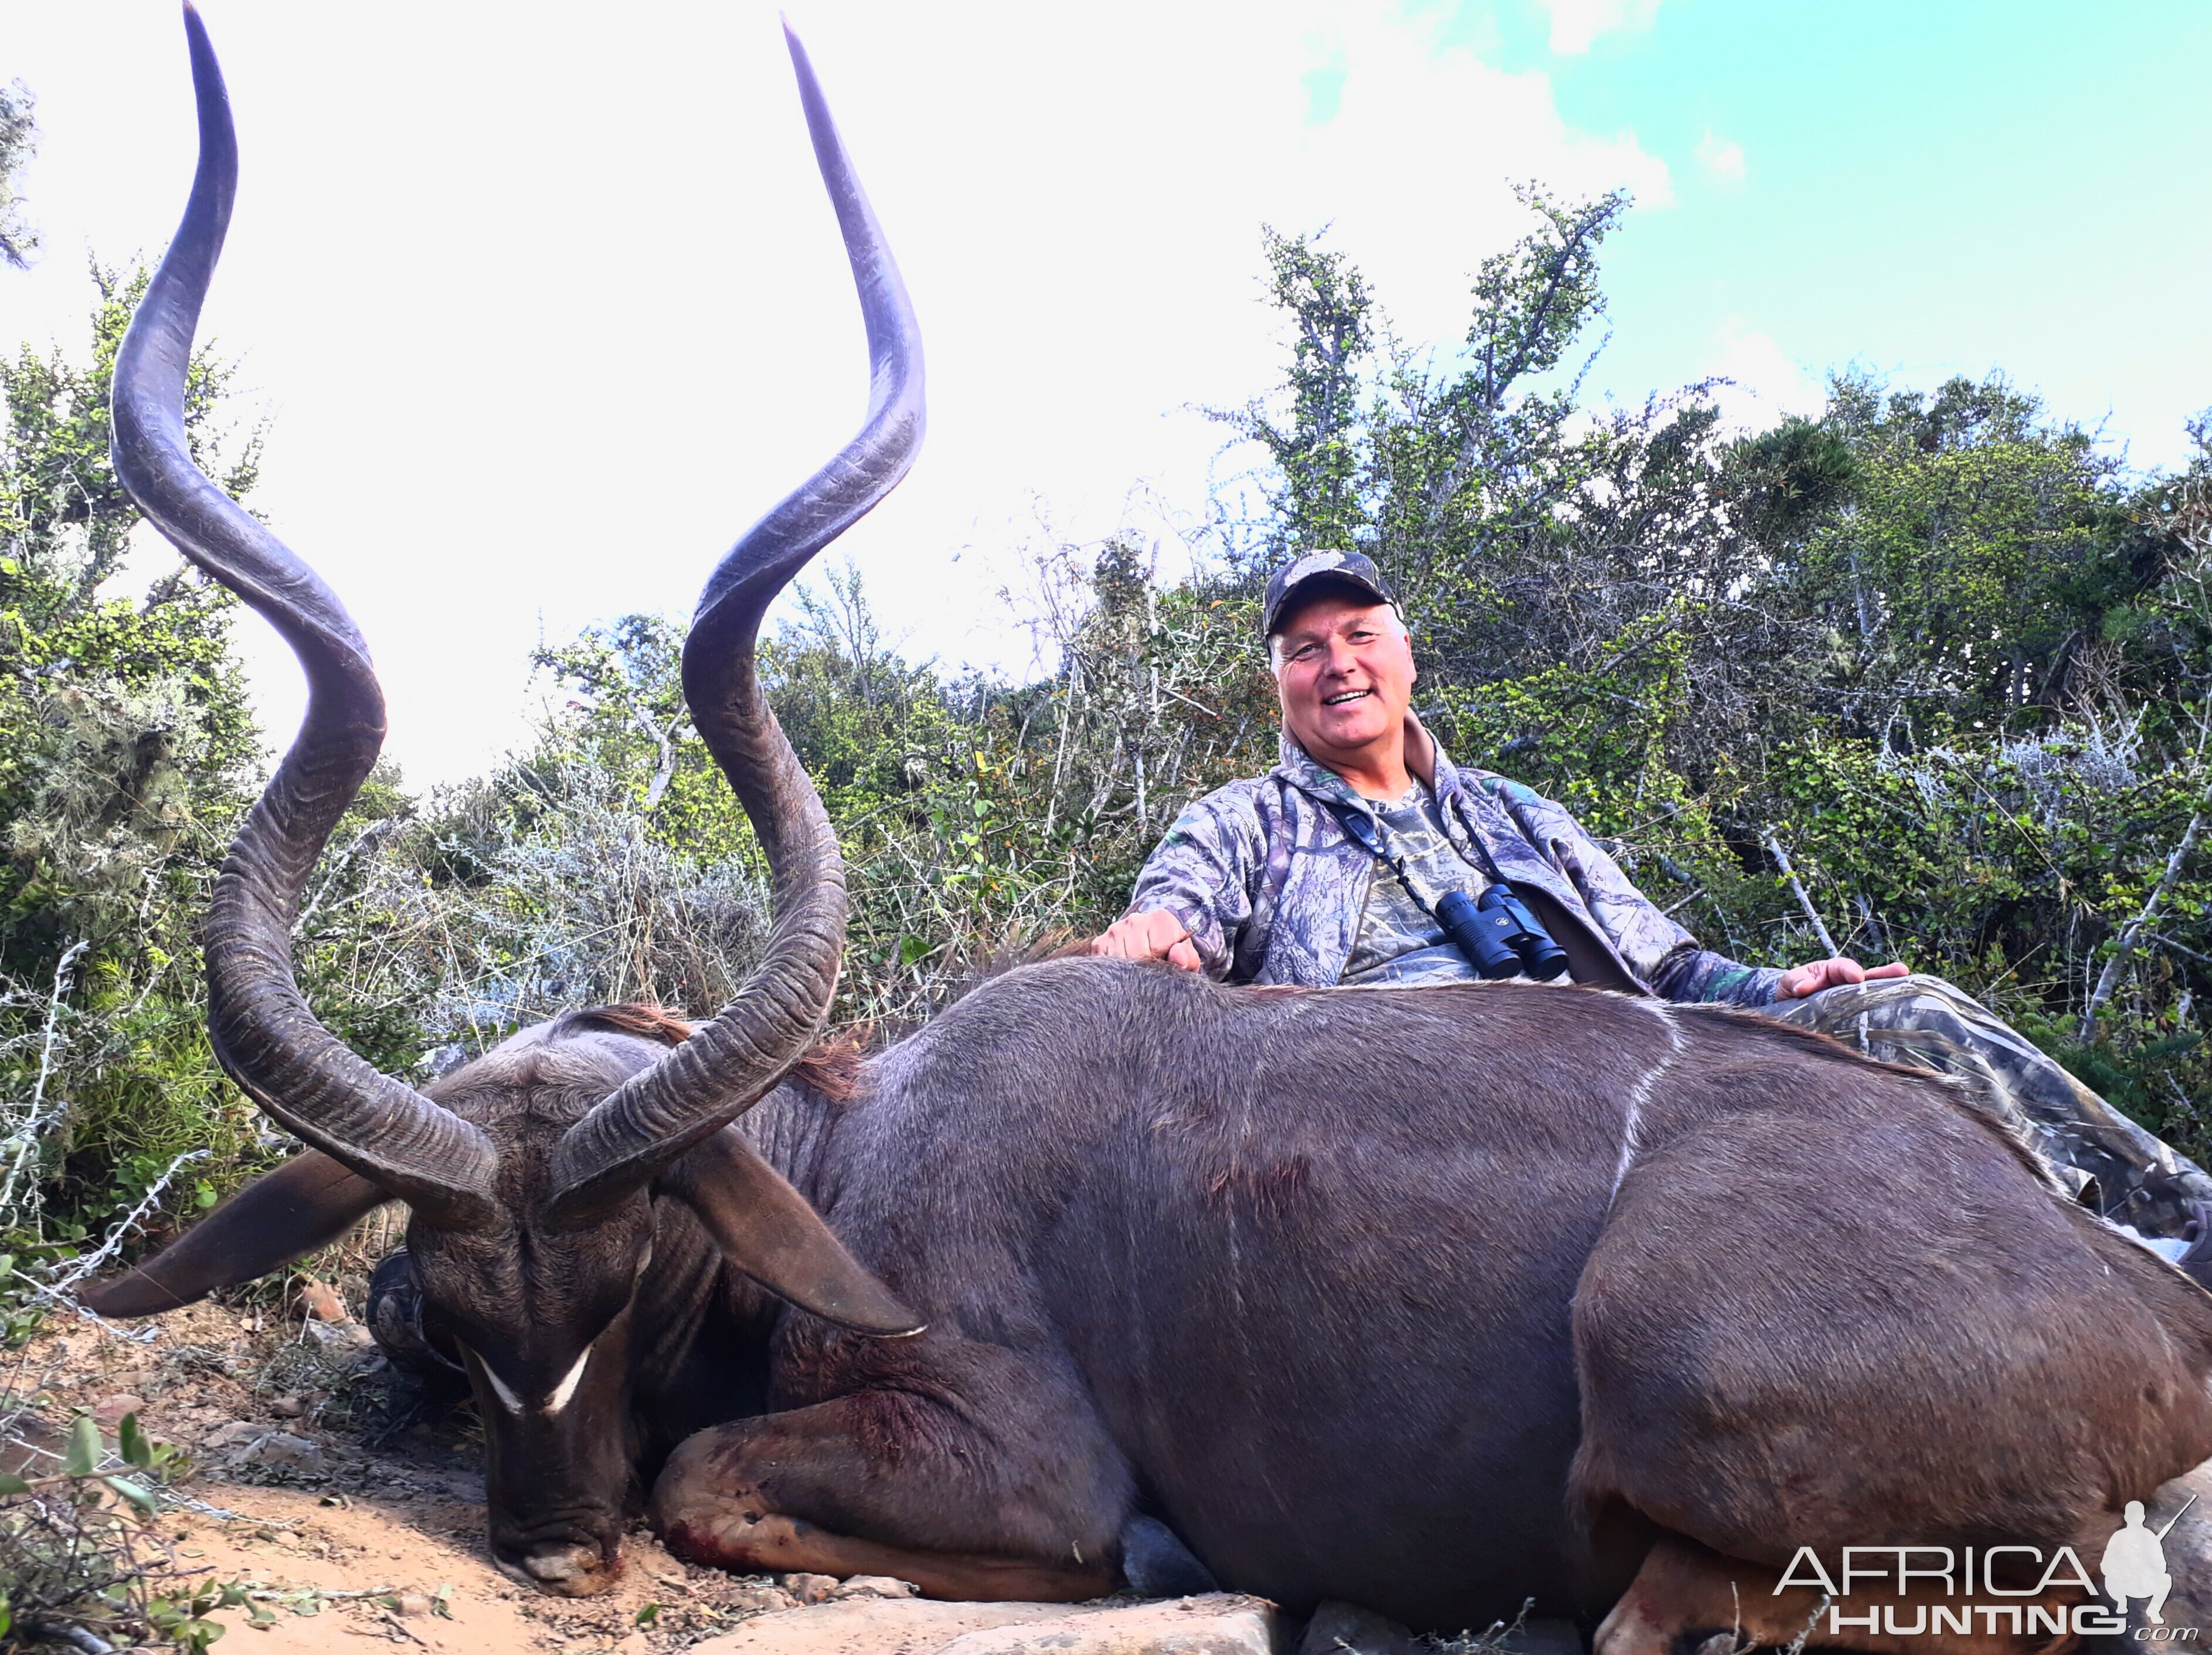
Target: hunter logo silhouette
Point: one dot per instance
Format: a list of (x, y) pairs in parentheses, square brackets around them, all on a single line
[(2135, 1563)]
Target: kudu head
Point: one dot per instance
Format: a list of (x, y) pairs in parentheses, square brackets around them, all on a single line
[(531, 1173)]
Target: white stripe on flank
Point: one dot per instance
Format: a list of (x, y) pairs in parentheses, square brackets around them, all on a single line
[(1665, 1013), (1631, 1125), (1630, 1128)]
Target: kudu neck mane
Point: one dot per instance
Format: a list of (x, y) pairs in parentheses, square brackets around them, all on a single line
[(558, 1070)]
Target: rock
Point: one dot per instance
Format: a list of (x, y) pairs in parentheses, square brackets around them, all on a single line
[(110, 1410), (2188, 1553), (287, 1408), (1220, 1624), (1336, 1627), (321, 1301), (868, 1626), (755, 1599), (232, 1434), (281, 1448), (31, 1448), (810, 1588), (413, 1603), (876, 1586), (1155, 1563), (341, 1335)]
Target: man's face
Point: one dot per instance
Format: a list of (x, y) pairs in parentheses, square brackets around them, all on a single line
[(1345, 672)]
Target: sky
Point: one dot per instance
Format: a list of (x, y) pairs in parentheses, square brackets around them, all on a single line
[(543, 305)]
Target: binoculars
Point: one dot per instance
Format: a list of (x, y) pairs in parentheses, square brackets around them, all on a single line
[(1499, 936)]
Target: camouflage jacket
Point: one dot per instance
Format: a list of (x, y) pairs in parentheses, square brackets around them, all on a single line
[(1272, 889)]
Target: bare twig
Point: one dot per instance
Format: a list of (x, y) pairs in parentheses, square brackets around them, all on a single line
[(663, 769), (2123, 950), (22, 1143), (1781, 861), (107, 1248), (1812, 1621)]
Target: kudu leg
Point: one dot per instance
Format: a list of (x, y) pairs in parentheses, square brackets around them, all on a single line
[(889, 1482), (1684, 1592)]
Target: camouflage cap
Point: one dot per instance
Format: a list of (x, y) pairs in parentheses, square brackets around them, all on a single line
[(1351, 568)]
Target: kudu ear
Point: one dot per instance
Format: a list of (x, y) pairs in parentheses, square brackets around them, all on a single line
[(308, 1202), (765, 1228)]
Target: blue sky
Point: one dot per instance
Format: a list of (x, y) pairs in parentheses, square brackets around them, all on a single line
[(545, 305), (1923, 188)]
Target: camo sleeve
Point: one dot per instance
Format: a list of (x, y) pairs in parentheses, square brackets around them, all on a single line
[(1204, 872), (1700, 974)]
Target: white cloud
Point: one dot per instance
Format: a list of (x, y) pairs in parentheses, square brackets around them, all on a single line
[(1768, 385), (1576, 25), (548, 308), (1721, 157)]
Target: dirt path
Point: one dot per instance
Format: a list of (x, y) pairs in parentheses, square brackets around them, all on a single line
[(302, 1488)]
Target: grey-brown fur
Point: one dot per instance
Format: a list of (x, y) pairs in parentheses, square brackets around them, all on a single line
[(1405, 1344)]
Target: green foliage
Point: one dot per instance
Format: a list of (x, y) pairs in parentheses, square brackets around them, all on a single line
[(1941, 647), (976, 819), (19, 142), (79, 1547), (126, 757), (1981, 550), (1315, 451)]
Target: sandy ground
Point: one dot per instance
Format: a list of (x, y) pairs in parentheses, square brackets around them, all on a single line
[(355, 1497)]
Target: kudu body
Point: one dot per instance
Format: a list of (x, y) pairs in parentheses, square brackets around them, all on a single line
[(1431, 1299)]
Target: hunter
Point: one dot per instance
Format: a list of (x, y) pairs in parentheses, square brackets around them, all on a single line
[(1332, 869)]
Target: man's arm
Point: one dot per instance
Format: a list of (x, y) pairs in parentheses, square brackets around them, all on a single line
[(1661, 952), (1153, 934), (1700, 974), (1195, 893), (1802, 980)]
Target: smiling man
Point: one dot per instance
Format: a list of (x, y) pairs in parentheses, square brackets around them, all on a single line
[(1355, 859)]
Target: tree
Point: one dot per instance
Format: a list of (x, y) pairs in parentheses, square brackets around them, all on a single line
[(19, 142), (1938, 646), (1969, 571), (126, 754)]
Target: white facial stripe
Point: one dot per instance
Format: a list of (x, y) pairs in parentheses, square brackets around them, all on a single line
[(513, 1403), (555, 1403), (567, 1388)]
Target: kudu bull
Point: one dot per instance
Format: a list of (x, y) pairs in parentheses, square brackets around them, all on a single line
[(1597, 1301)]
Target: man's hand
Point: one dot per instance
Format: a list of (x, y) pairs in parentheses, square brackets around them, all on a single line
[(1150, 935), (1832, 974)]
